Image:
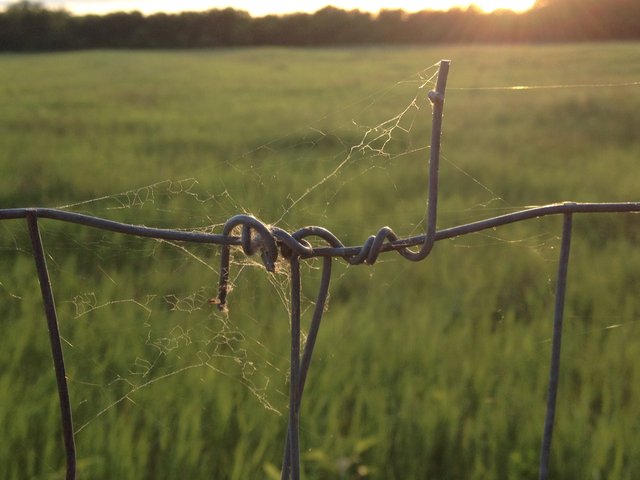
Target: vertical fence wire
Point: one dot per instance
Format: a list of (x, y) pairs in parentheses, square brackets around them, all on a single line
[(270, 242), (294, 371), (305, 361), (556, 345), (56, 346)]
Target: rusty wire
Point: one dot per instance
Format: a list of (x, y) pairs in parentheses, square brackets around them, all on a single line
[(271, 242)]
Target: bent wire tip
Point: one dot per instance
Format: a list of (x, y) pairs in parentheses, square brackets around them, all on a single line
[(268, 261)]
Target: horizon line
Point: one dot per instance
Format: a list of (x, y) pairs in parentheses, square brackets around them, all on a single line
[(66, 7)]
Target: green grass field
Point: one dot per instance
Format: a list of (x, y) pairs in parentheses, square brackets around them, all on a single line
[(436, 370)]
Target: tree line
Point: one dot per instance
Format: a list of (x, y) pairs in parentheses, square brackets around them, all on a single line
[(28, 26)]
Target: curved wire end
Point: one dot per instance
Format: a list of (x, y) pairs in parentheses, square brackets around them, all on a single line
[(268, 261)]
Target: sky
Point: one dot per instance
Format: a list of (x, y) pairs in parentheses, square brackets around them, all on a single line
[(264, 7)]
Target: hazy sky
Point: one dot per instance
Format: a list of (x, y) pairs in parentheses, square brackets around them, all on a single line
[(262, 7)]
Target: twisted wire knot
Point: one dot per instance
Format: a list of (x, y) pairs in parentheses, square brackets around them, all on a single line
[(269, 242), (256, 236)]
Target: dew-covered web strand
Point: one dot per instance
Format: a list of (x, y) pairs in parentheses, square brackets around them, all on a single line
[(423, 78), (571, 86), (374, 139)]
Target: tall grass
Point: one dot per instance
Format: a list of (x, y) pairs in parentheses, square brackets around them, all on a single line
[(430, 370)]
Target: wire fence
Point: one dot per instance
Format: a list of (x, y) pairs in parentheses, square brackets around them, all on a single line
[(255, 237)]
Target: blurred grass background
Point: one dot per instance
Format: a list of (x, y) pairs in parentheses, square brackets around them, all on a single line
[(435, 370)]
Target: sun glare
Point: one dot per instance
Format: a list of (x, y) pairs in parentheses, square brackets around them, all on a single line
[(515, 5), (484, 5)]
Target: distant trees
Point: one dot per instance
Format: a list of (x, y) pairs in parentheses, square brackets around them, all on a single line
[(28, 26)]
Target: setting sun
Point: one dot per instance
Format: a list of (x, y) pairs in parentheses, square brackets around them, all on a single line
[(515, 5), (417, 5)]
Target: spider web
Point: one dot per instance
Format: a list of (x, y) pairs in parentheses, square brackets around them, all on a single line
[(168, 332)]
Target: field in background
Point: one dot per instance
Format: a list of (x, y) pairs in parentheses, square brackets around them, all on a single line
[(430, 370)]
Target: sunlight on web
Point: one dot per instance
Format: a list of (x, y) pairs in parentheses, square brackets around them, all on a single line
[(162, 326), (375, 139)]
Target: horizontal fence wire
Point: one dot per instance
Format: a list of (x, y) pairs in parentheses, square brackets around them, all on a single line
[(256, 237)]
